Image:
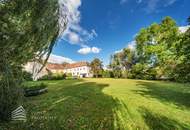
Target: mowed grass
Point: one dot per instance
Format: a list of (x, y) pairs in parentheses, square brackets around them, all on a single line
[(108, 104)]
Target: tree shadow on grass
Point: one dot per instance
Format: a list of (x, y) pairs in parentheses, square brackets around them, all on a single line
[(158, 122), (72, 106), (177, 95)]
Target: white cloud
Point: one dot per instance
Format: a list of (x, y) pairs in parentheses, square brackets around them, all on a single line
[(131, 45), (73, 37), (95, 50), (118, 51), (169, 2), (151, 6), (154, 6), (84, 50), (94, 33), (184, 28), (123, 1), (87, 50), (75, 34), (59, 59), (139, 1)]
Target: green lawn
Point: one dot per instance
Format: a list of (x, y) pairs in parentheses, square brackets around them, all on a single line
[(107, 104)]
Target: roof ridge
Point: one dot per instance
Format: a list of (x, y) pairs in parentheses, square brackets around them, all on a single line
[(67, 66)]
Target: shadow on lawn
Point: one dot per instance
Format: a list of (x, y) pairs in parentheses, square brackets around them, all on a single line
[(178, 95), (74, 105), (158, 122)]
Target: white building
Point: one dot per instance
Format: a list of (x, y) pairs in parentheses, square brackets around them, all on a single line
[(78, 69), (81, 69)]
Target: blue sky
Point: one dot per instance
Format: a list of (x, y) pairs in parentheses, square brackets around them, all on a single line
[(98, 28)]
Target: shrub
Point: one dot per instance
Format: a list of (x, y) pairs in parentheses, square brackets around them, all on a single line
[(35, 86), (27, 76), (152, 73), (138, 71), (130, 75), (125, 74), (181, 73), (35, 90), (68, 75), (45, 77), (142, 71), (58, 76), (117, 73), (106, 74)]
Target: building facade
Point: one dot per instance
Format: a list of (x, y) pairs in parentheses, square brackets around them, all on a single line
[(78, 69), (81, 69)]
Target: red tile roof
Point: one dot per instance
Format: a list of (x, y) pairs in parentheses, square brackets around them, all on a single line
[(78, 64), (53, 66)]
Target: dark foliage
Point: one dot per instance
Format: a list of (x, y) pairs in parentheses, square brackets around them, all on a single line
[(28, 31), (35, 90), (54, 77), (27, 76)]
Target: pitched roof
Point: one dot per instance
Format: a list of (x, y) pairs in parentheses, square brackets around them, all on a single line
[(78, 64), (53, 66)]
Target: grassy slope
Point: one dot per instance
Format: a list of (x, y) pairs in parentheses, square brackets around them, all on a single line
[(110, 104)]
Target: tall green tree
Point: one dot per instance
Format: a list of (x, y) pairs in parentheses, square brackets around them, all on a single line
[(28, 31), (122, 61), (182, 70), (116, 64), (129, 59), (96, 67), (156, 45)]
